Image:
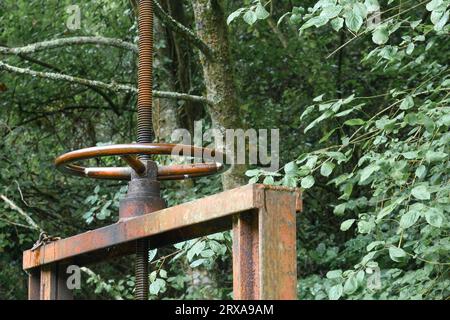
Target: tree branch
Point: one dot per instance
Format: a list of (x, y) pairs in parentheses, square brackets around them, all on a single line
[(51, 44), (62, 110), (186, 33), (99, 84), (29, 220)]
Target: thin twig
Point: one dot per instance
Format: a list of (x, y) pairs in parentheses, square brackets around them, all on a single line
[(16, 224), (56, 43), (21, 194), (109, 86), (27, 217), (188, 34)]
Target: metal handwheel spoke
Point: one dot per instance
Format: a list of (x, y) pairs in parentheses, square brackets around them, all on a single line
[(137, 165)]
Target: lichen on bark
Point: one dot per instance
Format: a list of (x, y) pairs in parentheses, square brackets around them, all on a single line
[(218, 76)]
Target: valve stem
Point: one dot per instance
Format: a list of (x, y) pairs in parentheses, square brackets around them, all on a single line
[(144, 126)]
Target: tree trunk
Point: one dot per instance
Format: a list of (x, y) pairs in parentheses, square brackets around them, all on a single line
[(164, 110), (218, 75), (183, 55)]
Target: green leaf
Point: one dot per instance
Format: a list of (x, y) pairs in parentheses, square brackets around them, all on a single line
[(374, 244), (409, 50), (372, 5), (338, 156), (331, 11), (195, 250), (268, 180), (252, 173), (350, 285), (347, 189), (410, 155), (347, 224), (355, 122), (337, 23), (327, 135), (312, 160), (234, 15), (360, 10), (396, 254), (353, 21), (334, 274), (407, 103), (360, 277), (365, 226), (339, 209), (307, 182), (318, 98), (335, 292), (325, 115), (207, 253), (368, 257), (421, 192), (317, 21), (250, 17), (380, 35), (434, 217), (435, 156), (197, 263), (163, 273), (385, 211), (152, 254), (156, 286), (327, 168), (434, 4), (261, 12), (290, 168), (367, 172), (439, 25), (415, 23), (253, 180), (409, 219), (421, 171)]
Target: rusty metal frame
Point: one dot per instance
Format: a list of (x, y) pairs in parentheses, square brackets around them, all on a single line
[(263, 220)]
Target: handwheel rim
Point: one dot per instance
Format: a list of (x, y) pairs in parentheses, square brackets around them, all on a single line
[(66, 162)]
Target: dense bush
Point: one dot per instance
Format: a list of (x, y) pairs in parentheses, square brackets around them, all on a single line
[(358, 88)]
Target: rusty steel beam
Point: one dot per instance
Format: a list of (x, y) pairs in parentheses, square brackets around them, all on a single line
[(49, 282), (277, 246), (264, 248), (168, 224), (264, 240), (34, 284)]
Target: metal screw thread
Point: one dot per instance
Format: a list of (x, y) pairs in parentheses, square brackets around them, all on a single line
[(141, 270), (144, 106), (145, 125)]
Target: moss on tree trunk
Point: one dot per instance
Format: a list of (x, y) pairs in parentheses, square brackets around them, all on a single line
[(218, 75)]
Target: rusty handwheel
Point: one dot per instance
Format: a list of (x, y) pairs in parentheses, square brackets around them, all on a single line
[(127, 152)]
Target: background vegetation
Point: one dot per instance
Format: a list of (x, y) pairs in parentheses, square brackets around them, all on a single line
[(360, 93)]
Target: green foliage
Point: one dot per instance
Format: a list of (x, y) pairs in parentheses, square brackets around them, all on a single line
[(384, 154)]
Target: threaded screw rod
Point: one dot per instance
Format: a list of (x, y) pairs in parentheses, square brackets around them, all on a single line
[(145, 126), (144, 107)]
